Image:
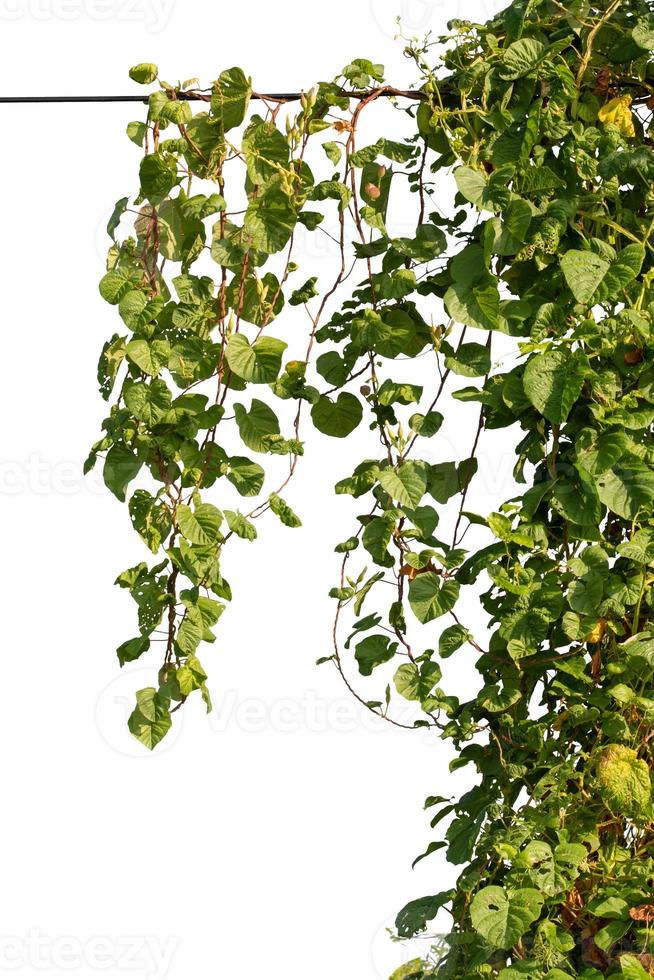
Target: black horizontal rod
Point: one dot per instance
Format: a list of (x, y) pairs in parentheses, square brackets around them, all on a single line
[(386, 91), (71, 98)]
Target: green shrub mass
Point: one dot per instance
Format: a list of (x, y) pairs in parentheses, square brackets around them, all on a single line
[(545, 113)]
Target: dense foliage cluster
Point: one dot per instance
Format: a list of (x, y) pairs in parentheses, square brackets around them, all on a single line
[(542, 116)]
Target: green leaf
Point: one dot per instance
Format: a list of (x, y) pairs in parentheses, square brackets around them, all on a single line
[(265, 150), (283, 511), (248, 477), (177, 111), (158, 176), (451, 639), (628, 490), (445, 481), (470, 360), (488, 193), (528, 623), (150, 721), (610, 934), (414, 917), (259, 301), (522, 57), (583, 271), (137, 311), (431, 849), (511, 231), (149, 355), (471, 183), (577, 499), (632, 969), (399, 152), (144, 74), (624, 270), (496, 700), (609, 908), (334, 190), (200, 526), (270, 219), (109, 363), (156, 102), (640, 547), (344, 547), (416, 682), (600, 452), (191, 676), (256, 424), (395, 333), (305, 292), (240, 525), (172, 228), (117, 213), (337, 418), (136, 131), (430, 596), (114, 286), (426, 425), (407, 484), (553, 382), (311, 219), (132, 649), (361, 72), (148, 402), (476, 305), (121, 465), (230, 98), (334, 152), (190, 632), (502, 919), (259, 363), (392, 392), (643, 35), (373, 651), (428, 243), (376, 538), (374, 189), (150, 518), (332, 367)]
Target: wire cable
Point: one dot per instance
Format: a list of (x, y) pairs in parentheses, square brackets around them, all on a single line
[(386, 91)]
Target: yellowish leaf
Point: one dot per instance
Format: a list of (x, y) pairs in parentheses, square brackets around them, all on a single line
[(617, 113), (597, 632)]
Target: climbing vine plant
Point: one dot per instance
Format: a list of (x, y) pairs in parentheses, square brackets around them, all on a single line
[(544, 117), (528, 302), (196, 352)]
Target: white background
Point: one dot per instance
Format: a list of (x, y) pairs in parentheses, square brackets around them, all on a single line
[(274, 838)]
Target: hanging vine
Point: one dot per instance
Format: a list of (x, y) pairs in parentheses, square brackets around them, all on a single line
[(542, 260), (192, 344)]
